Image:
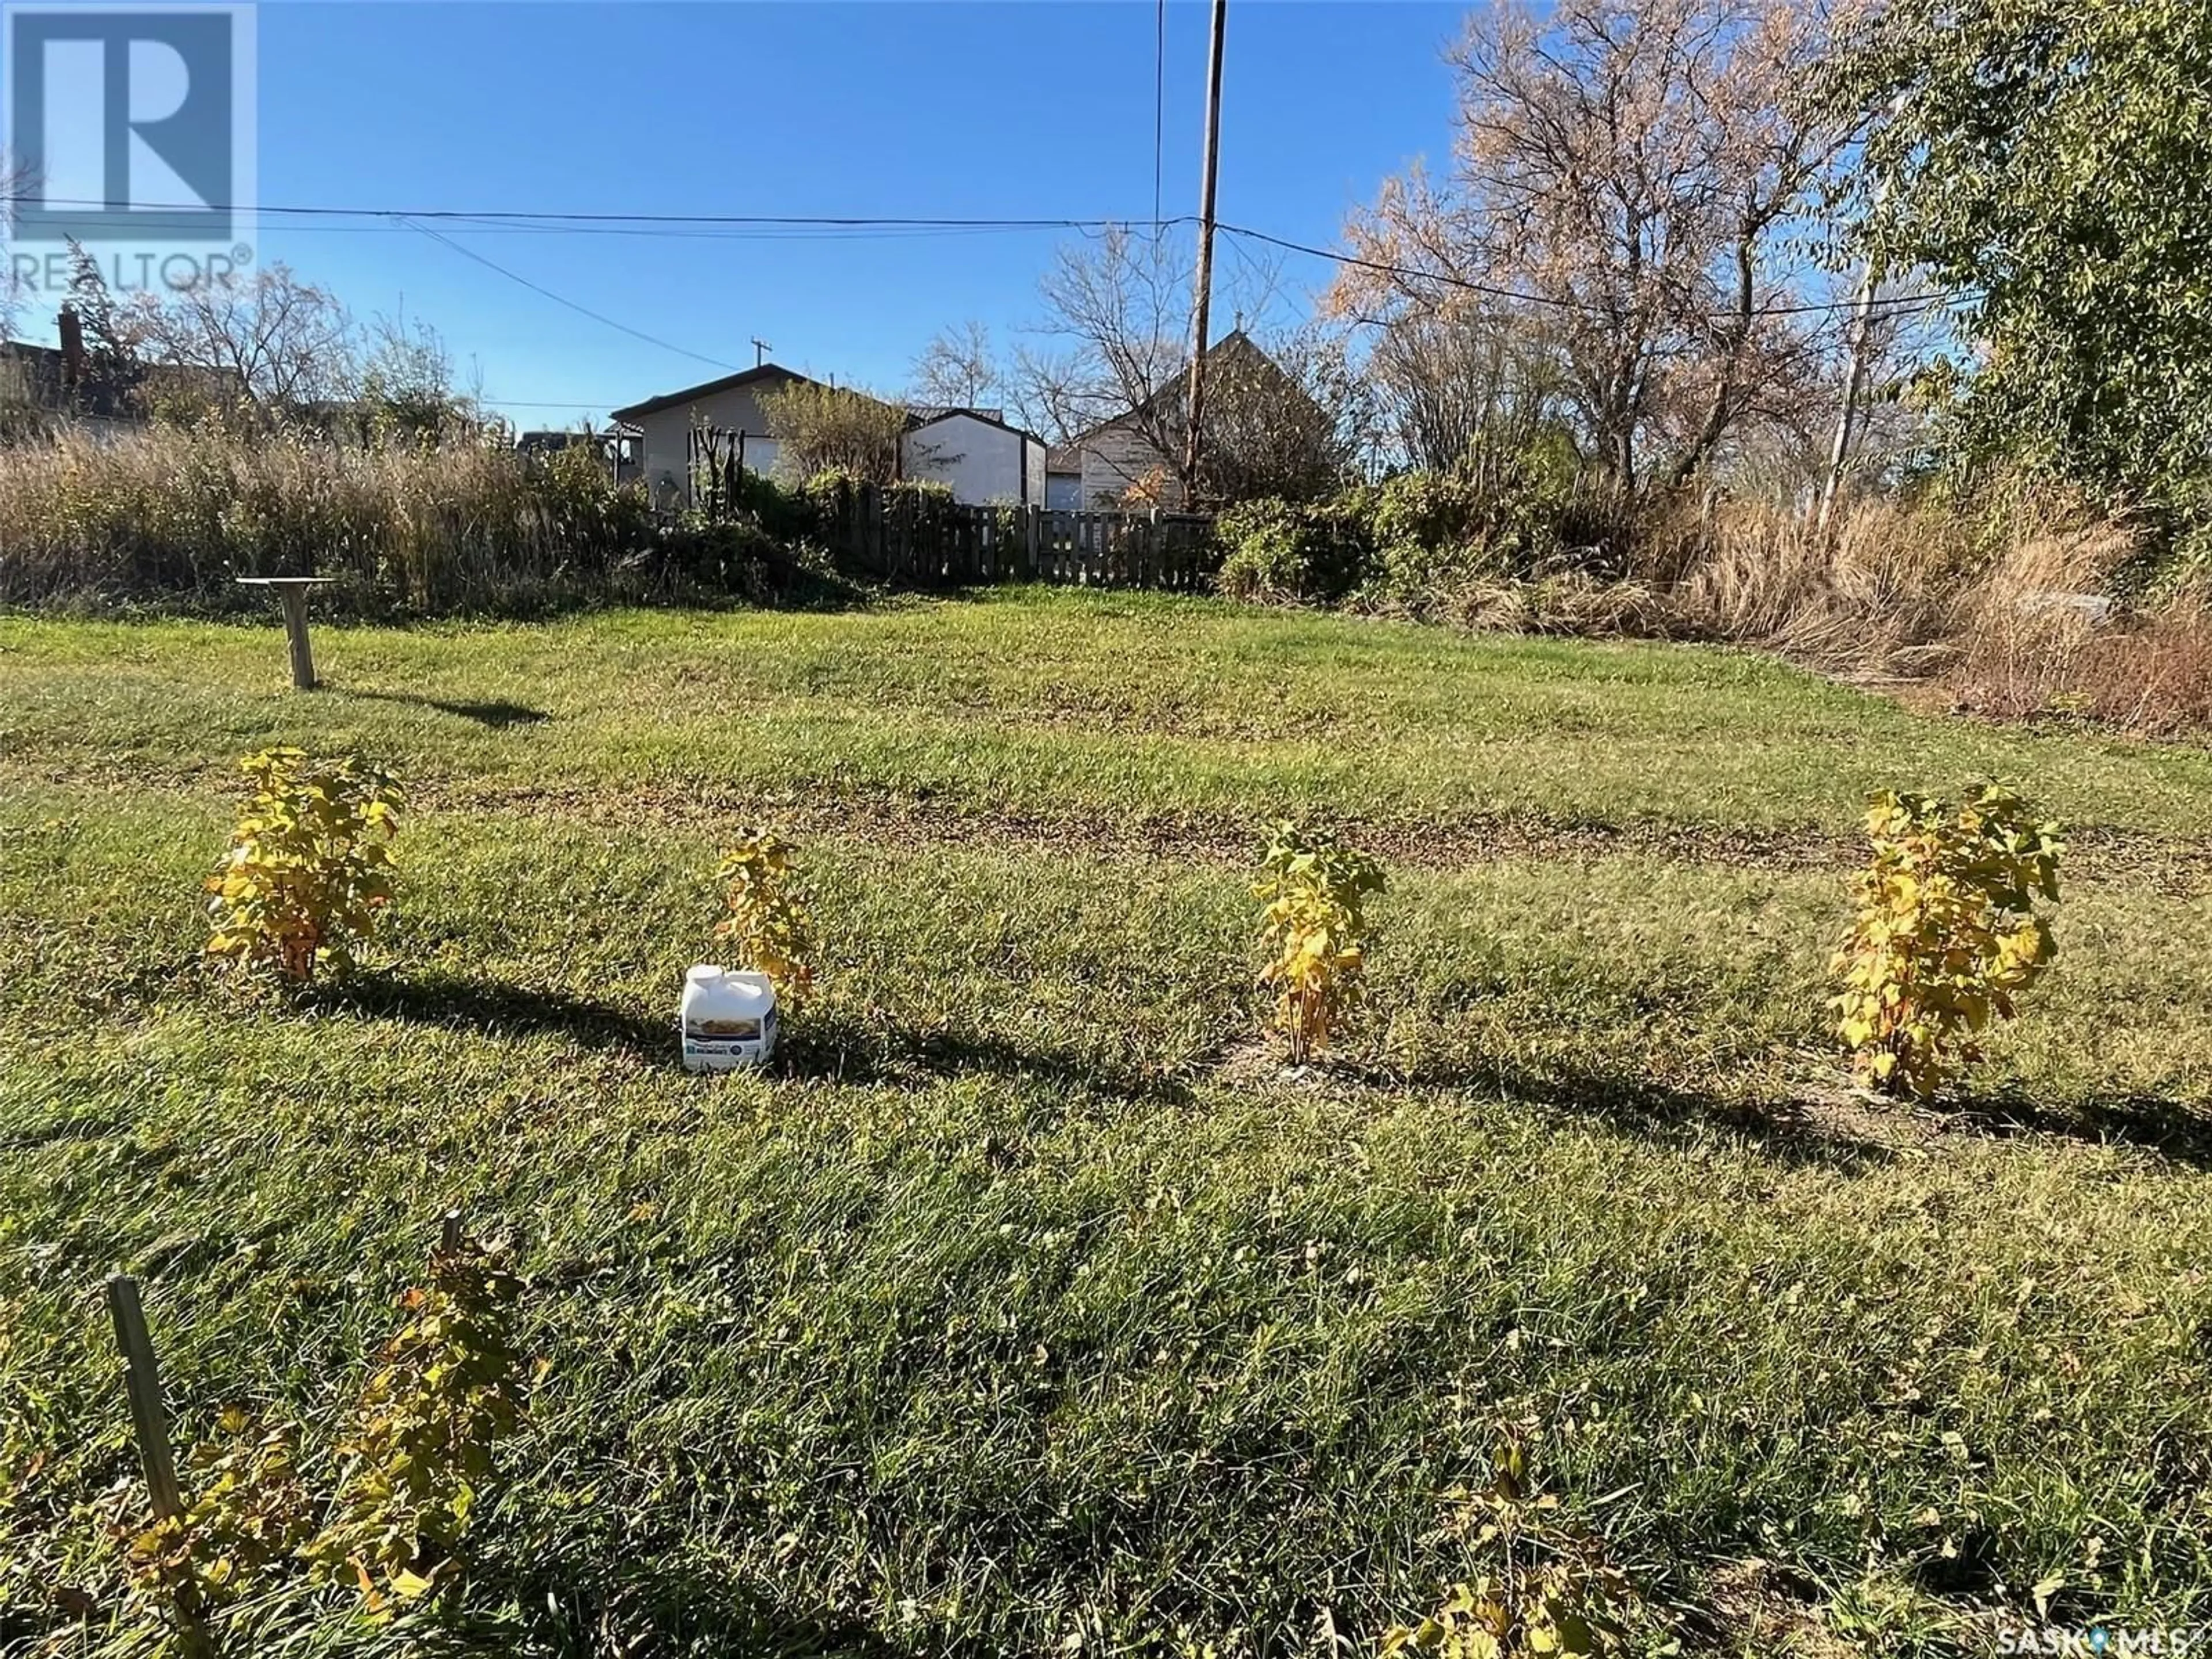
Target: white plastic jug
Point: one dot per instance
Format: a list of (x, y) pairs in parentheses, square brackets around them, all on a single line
[(729, 1019)]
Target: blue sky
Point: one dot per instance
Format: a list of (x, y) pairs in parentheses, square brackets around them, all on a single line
[(912, 108)]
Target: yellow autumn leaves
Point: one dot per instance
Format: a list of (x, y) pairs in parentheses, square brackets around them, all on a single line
[(309, 865), (1946, 935), (1313, 889), (767, 921)]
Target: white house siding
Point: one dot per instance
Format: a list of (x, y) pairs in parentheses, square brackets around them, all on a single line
[(1033, 469), (665, 446), (1117, 456), (982, 463)]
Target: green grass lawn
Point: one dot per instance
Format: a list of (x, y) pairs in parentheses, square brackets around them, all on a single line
[(1024, 1307)]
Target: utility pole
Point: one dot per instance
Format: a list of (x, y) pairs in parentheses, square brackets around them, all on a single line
[(761, 349), (1853, 385), (1193, 437)]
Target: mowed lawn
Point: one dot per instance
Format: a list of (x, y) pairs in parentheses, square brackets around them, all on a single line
[(1025, 1305)]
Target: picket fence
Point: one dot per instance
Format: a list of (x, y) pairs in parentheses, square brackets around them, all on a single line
[(900, 537)]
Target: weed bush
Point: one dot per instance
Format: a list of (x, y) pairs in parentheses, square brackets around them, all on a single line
[(1431, 543), (1275, 551), (1546, 1588), (1946, 933), (412, 1466), (1313, 892), (309, 865), (418, 1455)]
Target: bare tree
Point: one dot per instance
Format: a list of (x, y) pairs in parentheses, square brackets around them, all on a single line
[(1462, 386), (1626, 176), (280, 343), (407, 385), (1282, 419), (1293, 418), (1118, 305), (821, 429), (956, 369)]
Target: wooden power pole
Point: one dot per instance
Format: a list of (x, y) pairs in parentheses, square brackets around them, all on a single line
[(1192, 438)]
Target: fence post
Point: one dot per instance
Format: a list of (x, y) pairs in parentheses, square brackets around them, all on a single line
[(1032, 529)]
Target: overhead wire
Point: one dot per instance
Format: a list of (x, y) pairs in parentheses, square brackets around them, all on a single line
[(580, 309)]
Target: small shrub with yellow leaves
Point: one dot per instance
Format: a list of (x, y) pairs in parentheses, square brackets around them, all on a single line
[(767, 921), (249, 1514), (386, 1516), (309, 865), (1546, 1588), (1946, 934), (1313, 890), (418, 1455)]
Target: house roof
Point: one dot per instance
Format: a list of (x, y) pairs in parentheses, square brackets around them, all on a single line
[(925, 413), (775, 374), (39, 374), (1173, 390), (920, 418)]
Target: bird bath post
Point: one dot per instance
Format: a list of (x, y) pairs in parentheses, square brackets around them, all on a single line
[(293, 591)]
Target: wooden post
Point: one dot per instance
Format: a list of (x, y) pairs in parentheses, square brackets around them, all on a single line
[(147, 1420), (449, 1233), (295, 634)]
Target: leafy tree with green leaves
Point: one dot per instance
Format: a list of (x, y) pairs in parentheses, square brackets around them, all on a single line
[(2051, 160)]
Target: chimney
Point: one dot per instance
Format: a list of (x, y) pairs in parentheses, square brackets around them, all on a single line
[(72, 348)]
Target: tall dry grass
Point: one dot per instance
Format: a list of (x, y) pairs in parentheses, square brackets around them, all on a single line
[(2000, 601), (172, 515), (1876, 594), (2030, 649)]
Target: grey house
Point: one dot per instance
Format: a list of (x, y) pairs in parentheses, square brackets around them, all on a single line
[(731, 405)]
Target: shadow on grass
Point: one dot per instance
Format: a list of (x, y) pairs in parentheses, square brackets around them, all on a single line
[(2151, 1123), (821, 1046), (494, 1008), (496, 715), (1780, 1129), (838, 1049)]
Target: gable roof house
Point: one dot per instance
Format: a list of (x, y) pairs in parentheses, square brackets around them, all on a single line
[(982, 459), (44, 388), (730, 406), (1099, 468)]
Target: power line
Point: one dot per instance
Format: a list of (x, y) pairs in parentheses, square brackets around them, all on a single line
[(767, 226), (562, 217), (582, 310), (1560, 301)]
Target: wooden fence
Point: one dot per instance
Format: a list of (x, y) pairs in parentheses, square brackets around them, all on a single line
[(904, 537)]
